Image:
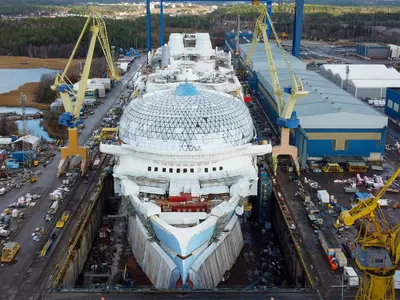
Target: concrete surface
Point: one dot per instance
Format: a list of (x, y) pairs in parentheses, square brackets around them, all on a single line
[(329, 280), (238, 294), (47, 181)]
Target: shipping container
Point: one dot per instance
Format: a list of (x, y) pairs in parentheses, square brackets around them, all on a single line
[(101, 90), (18, 156), (397, 280), (328, 241), (341, 259), (323, 196), (105, 81), (351, 276), (374, 51)]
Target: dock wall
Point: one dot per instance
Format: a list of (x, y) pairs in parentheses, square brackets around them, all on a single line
[(78, 261), (281, 222), (87, 229)]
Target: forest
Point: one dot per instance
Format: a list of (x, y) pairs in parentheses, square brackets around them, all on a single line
[(55, 37), (77, 2)]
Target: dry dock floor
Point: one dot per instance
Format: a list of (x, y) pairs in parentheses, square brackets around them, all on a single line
[(328, 280)]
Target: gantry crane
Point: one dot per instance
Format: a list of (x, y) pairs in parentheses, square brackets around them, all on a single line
[(378, 249), (72, 115), (287, 117)]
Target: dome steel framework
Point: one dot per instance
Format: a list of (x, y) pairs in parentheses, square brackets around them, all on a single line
[(186, 120)]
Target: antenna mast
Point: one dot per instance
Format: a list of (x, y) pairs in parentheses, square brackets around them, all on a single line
[(237, 36), (347, 77), (26, 154)]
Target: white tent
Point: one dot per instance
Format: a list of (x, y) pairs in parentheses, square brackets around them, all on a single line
[(5, 141), (33, 140)]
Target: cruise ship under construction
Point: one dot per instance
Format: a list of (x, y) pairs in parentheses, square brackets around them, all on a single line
[(186, 164)]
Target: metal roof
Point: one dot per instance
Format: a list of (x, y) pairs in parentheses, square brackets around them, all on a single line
[(327, 106), (30, 139), (356, 72), (5, 141)]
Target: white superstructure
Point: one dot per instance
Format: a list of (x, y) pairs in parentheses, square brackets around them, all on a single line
[(190, 57), (186, 163)]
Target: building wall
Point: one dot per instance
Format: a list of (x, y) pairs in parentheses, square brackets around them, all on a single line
[(392, 106), (360, 142), (394, 51), (364, 92)]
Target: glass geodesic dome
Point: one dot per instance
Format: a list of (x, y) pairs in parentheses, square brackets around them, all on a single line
[(186, 119)]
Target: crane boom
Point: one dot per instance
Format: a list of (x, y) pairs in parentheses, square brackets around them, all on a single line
[(366, 207), (260, 31), (287, 119), (378, 253), (71, 117)]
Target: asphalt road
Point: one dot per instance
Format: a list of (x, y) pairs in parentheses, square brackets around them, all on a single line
[(46, 183)]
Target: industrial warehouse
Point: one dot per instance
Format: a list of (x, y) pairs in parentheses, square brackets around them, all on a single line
[(362, 81), (332, 122)]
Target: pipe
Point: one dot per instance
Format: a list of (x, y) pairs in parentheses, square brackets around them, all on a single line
[(268, 3), (297, 27), (148, 26), (161, 23)]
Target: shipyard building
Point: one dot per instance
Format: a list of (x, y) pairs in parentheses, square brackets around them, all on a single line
[(332, 122), (373, 51), (392, 106), (362, 81)]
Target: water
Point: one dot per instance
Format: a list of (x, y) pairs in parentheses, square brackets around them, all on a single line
[(11, 79), (34, 128), (18, 110)]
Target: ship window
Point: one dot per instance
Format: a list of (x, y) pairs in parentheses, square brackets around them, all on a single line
[(214, 169), (155, 169), (148, 168), (206, 170), (178, 170), (191, 170), (184, 170), (221, 168), (164, 170), (171, 170)]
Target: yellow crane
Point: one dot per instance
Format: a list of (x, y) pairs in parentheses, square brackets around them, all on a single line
[(72, 115), (287, 117), (378, 249)]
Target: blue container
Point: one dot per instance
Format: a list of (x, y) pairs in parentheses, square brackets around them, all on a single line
[(19, 155)]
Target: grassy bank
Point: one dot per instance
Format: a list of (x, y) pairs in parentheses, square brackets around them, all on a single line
[(22, 62), (11, 98)]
